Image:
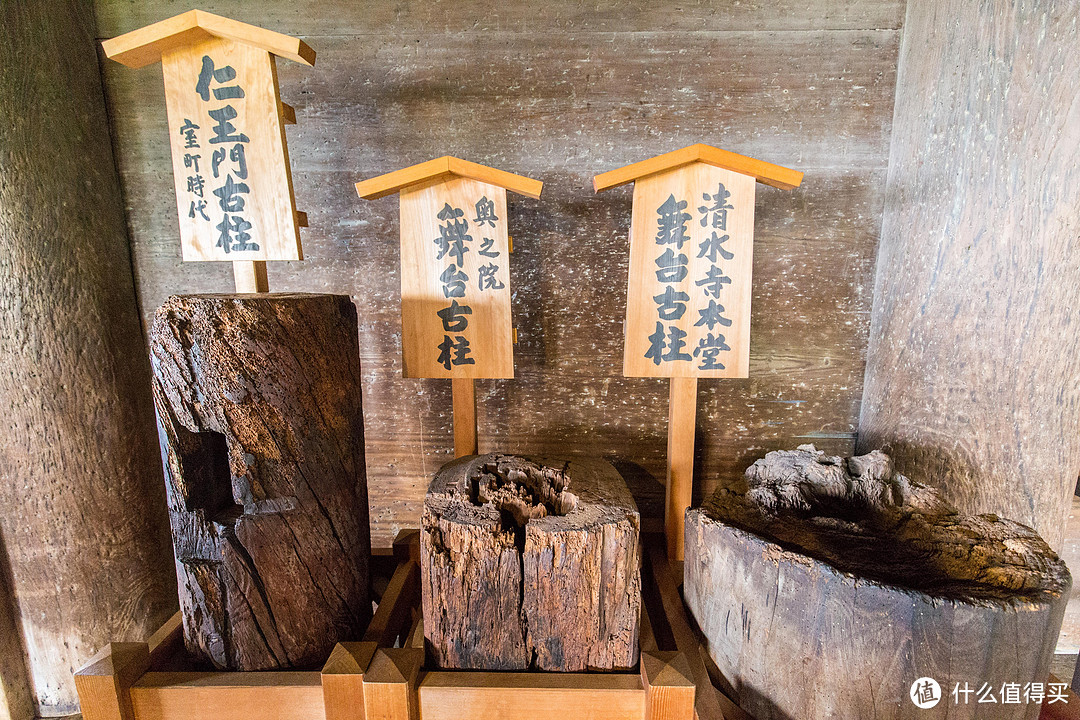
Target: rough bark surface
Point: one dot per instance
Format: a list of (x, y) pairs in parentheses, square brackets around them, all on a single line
[(82, 508), (260, 420), (871, 581), (530, 564)]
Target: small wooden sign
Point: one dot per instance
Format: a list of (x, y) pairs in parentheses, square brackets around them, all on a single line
[(455, 266), (691, 260), (689, 286), (234, 193)]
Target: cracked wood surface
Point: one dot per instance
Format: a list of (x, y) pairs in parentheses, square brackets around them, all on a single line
[(873, 581), (530, 565), (259, 412)]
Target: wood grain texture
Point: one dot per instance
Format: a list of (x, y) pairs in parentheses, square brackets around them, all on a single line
[(390, 684), (81, 500), (972, 382), (530, 565), (261, 425), (149, 44), (538, 696), (104, 683), (679, 484), (440, 170), (559, 93), (283, 695), (16, 696), (871, 581), (434, 280), (241, 205), (690, 274), (343, 680), (463, 396), (669, 685), (762, 171)]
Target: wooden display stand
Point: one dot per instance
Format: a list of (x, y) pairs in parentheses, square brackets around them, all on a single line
[(383, 676)]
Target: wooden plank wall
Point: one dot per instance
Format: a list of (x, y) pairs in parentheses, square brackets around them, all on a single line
[(561, 90), (974, 359)]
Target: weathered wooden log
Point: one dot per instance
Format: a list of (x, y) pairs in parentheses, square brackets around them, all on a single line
[(530, 565), (259, 411), (826, 587)]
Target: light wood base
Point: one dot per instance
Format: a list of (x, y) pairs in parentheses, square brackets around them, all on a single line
[(131, 681), (373, 679)]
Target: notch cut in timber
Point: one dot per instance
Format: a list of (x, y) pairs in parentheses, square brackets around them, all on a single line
[(168, 688)]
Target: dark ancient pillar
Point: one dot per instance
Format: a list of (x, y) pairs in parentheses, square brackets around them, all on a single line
[(259, 406), (833, 584)]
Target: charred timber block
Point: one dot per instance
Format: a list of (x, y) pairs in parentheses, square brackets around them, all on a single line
[(826, 587), (262, 434), (530, 565)]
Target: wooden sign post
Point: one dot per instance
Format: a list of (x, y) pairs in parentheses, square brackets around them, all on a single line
[(688, 293), (234, 194), (455, 276)]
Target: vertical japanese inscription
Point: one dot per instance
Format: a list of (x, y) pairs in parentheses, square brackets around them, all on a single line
[(234, 193), (455, 281), (453, 242), (689, 288)]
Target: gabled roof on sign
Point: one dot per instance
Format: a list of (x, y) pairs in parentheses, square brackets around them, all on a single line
[(774, 175), (145, 46), (441, 169)]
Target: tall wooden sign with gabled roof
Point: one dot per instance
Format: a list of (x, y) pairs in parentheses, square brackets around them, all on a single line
[(689, 286), (234, 194), (455, 275)]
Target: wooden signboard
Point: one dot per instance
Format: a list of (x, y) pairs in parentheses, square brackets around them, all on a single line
[(689, 285), (234, 194), (455, 275), (691, 256)]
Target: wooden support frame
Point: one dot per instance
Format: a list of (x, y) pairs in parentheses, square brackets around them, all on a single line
[(383, 678)]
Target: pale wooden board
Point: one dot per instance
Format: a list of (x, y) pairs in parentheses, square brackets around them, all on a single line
[(145, 45), (562, 107), (536, 696), (267, 204), (649, 350), (288, 695), (488, 330)]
